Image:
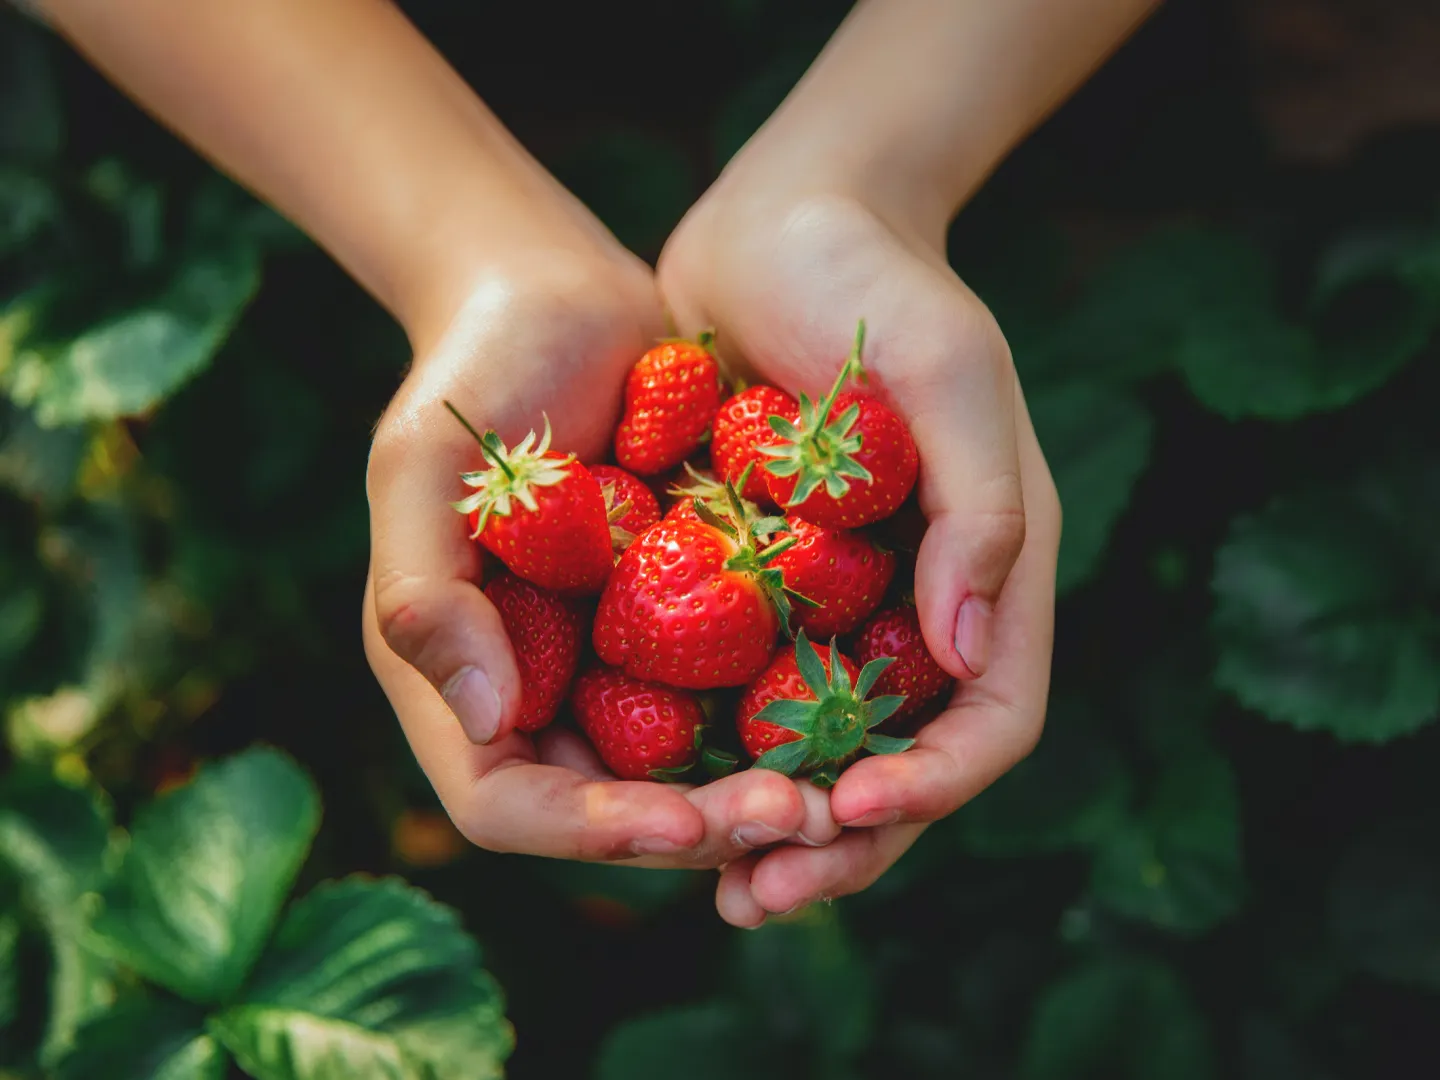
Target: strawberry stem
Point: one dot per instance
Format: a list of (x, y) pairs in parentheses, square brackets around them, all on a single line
[(490, 444), (851, 368)]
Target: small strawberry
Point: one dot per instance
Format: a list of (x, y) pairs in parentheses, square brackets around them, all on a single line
[(808, 716), (694, 603), (642, 730), (630, 506), (546, 634), (844, 472), (896, 632), (670, 400), (540, 512), (742, 426), (841, 572)]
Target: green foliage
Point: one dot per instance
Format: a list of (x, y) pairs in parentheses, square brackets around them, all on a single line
[(206, 872), (1326, 606), (799, 997), (361, 977), (1120, 1017), (1234, 384)]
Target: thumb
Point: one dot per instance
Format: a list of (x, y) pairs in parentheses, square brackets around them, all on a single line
[(428, 609), (971, 495)]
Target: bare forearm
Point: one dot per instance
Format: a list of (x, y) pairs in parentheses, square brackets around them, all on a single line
[(916, 101), (344, 117)]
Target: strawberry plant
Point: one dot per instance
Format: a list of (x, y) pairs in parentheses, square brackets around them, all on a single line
[(169, 950), (1218, 862)]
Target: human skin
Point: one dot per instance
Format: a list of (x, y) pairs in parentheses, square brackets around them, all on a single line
[(516, 299), (837, 209)]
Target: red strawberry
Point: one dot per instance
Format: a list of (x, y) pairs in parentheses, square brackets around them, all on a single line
[(896, 632), (841, 572), (670, 400), (642, 730), (541, 512), (847, 471), (693, 604), (742, 426), (810, 716), (546, 633), (630, 506)]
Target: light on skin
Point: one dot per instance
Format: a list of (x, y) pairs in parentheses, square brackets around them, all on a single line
[(516, 300)]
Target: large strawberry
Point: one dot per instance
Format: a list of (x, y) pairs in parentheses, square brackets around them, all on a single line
[(694, 604), (742, 426), (642, 730), (842, 573), (546, 633), (670, 400), (806, 716), (630, 506), (540, 512), (849, 461), (896, 632)]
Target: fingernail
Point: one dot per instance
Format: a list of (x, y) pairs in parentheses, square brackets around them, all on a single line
[(873, 818), (656, 845), (808, 842), (972, 634), (757, 834), (474, 702)]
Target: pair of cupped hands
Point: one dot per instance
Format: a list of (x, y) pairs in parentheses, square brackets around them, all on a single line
[(549, 321)]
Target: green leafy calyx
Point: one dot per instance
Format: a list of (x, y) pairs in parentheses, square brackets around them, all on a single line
[(752, 555), (837, 724), (513, 476), (819, 451)]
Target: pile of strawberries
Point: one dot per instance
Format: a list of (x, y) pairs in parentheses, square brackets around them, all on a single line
[(788, 522)]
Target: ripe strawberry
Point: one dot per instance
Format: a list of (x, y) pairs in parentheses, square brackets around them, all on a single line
[(810, 716), (843, 472), (694, 604), (630, 506), (896, 632), (742, 426), (642, 730), (541, 512), (841, 572), (670, 400), (546, 633)]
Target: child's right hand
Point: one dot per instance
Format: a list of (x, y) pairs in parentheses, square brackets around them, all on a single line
[(553, 330)]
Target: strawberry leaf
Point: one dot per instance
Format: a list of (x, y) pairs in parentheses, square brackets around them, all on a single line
[(1325, 607)]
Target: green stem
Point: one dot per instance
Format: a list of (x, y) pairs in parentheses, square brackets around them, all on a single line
[(496, 459), (851, 368)]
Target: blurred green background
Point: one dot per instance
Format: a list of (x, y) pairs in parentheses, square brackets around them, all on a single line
[(1219, 269)]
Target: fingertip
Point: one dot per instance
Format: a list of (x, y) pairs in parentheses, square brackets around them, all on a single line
[(733, 900), (941, 589), (888, 788), (789, 878)]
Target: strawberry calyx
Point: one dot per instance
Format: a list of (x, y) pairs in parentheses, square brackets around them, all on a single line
[(754, 554), (513, 475), (620, 538), (837, 725), (818, 451)]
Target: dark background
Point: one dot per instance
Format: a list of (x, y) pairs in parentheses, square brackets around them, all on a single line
[(1218, 268)]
